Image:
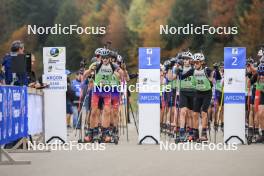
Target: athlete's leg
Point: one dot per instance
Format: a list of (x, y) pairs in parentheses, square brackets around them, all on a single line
[(197, 104), (93, 130), (106, 117), (206, 103)]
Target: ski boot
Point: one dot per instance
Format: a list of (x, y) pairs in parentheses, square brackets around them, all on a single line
[(222, 126), (114, 134), (203, 137), (96, 135), (260, 139), (189, 137), (106, 136), (195, 135), (88, 138), (182, 137), (250, 135)]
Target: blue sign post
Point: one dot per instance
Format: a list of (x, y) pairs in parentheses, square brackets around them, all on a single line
[(234, 94), (149, 95)]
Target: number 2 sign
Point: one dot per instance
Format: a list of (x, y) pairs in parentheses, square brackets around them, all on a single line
[(235, 57)]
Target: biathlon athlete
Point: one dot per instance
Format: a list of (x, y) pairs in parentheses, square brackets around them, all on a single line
[(104, 71), (203, 78), (187, 93), (219, 87), (162, 95), (115, 93), (260, 109), (169, 98)]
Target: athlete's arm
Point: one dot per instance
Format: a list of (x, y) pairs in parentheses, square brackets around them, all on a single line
[(88, 72), (187, 74), (217, 75), (209, 73), (170, 75), (125, 72), (253, 79)]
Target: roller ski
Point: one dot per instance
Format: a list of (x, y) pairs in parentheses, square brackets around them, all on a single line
[(92, 136), (181, 138), (203, 138), (109, 136), (114, 136), (190, 136)]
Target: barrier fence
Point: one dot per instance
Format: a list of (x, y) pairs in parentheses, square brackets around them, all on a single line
[(13, 118)]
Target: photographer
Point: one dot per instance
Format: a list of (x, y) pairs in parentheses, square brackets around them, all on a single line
[(17, 48)]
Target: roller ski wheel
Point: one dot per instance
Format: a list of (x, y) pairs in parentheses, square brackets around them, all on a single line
[(106, 139), (87, 139), (189, 138)]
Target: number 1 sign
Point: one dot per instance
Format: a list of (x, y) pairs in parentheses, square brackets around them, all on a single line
[(149, 97)]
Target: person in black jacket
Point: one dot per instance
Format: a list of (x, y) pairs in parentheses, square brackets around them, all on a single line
[(69, 102)]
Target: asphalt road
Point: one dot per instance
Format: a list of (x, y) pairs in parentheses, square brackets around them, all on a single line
[(128, 158)]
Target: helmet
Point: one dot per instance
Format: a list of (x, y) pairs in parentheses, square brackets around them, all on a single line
[(119, 58), (105, 52), (176, 60), (187, 54), (173, 60), (98, 51), (113, 54), (16, 45), (261, 52), (261, 69), (261, 60), (198, 57), (167, 63), (250, 60)]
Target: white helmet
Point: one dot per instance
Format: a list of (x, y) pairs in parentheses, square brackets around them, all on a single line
[(119, 58), (98, 51), (260, 53), (187, 54), (198, 57)]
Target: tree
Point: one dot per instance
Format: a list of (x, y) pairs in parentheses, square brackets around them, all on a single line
[(251, 27), (183, 13), (68, 15)]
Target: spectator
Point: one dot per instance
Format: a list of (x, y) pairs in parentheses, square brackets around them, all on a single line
[(76, 87), (69, 102)]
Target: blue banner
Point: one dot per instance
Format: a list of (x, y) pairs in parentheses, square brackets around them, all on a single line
[(234, 98), (235, 58), (149, 98), (149, 58), (13, 113)]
